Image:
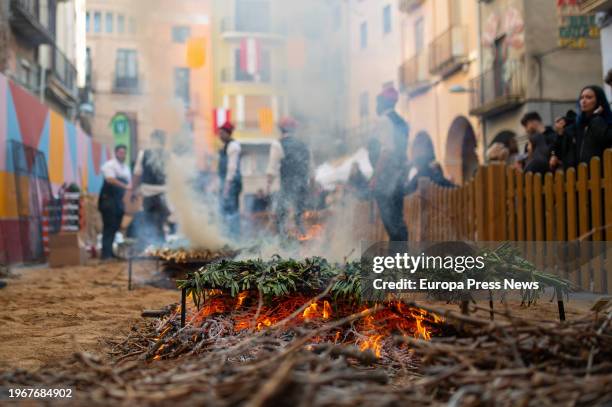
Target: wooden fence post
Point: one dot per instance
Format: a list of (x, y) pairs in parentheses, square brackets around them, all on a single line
[(583, 218), (480, 207), (599, 278)]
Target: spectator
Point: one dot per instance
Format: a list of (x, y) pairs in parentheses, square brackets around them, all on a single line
[(117, 178), (590, 135), (508, 140), (532, 123), (564, 121), (498, 152), (608, 78), (538, 152), (424, 164)]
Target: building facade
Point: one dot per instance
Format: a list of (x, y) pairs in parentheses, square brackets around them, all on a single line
[(39, 49), (374, 58), (142, 78), (439, 54), (531, 61)]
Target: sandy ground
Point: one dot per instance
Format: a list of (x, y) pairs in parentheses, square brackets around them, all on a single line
[(47, 314)]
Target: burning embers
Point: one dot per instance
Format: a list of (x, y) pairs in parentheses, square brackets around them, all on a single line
[(243, 314)]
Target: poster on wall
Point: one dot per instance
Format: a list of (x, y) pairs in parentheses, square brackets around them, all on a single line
[(575, 28), (122, 131)]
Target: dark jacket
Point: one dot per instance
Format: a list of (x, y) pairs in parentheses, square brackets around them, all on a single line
[(538, 160), (433, 172), (582, 141)]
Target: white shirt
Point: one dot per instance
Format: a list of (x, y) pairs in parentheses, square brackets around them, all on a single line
[(147, 190), (276, 156), (233, 157), (114, 169)]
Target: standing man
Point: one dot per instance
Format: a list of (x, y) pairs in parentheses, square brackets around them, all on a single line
[(289, 160), (150, 181), (230, 179), (533, 125), (391, 165), (117, 179)]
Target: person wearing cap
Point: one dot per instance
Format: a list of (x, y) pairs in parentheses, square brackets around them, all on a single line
[(391, 165), (230, 179), (290, 161)]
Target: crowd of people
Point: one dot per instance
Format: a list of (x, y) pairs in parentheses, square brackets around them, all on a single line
[(573, 138)]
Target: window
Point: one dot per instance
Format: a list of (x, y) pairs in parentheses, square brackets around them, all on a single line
[(363, 35), (419, 36), (126, 69), (132, 25), (364, 106), (87, 21), (109, 22), (181, 84), (180, 33), (387, 19), (455, 12), (97, 22), (120, 23)]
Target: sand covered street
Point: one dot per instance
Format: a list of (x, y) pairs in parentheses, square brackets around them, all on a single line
[(47, 314)]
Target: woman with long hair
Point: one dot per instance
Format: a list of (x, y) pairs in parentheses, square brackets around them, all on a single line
[(590, 135)]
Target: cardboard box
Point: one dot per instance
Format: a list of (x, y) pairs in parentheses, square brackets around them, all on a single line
[(65, 249)]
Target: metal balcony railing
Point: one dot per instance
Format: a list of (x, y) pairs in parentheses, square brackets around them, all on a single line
[(252, 26), (28, 76), (498, 89), (26, 19), (238, 75), (407, 6), (64, 71), (448, 51), (127, 84), (413, 71)]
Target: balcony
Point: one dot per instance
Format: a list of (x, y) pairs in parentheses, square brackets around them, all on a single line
[(448, 52), (238, 75), (27, 74), (413, 74), (593, 6), (408, 6), (62, 76), (231, 28), (498, 89), (26, 21), (127, 85)]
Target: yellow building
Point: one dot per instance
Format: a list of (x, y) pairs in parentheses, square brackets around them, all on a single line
[(256, 100), (439, 57)]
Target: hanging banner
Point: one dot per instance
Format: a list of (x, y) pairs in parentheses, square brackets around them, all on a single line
[(122, 131), (196, 52), (575, 28), (250, 56)]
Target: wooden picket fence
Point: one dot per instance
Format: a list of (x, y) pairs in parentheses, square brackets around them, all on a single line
[(502, 203)]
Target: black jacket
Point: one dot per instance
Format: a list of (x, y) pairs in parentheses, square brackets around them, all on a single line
[(582, 141), (538, 160)]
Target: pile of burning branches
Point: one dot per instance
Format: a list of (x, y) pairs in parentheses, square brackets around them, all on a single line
[(508, 363), (286, 332)]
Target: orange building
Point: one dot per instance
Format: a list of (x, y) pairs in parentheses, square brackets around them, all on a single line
[(140, 74)]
